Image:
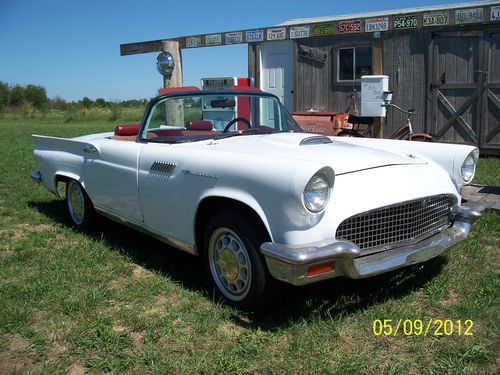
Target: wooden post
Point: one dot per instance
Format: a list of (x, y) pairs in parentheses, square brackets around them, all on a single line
[(378, 69), (175, 80), (174, 108)]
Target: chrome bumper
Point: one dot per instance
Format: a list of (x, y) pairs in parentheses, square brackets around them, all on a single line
[(291, 263)]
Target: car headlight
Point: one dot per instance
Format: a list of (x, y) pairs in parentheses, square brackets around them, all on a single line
[(317, 193), (469, 166)]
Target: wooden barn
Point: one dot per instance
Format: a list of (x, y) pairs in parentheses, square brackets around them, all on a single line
[(444, 61)]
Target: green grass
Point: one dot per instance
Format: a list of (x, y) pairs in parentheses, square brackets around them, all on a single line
[(113, 300)]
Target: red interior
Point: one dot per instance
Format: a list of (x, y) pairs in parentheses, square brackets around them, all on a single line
[(200, 125), (127, 129), (196, 129)]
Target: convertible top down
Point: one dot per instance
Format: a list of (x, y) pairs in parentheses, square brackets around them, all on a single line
[(229, 176)]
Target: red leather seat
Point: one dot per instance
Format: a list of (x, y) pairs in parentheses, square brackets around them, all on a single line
[(199, 125), (127, 129)]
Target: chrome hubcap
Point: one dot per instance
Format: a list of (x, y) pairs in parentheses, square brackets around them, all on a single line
[(76, 203), (229, 264)]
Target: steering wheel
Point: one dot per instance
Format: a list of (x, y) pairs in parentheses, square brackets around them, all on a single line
[(235, 120)]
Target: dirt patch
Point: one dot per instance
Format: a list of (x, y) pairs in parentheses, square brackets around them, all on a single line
[(15, 358), (230, 329), (158, 307), (120, 329), (138, 339), (20, 231), (139, 272), (76, 369), (117, 283), (5, 250)]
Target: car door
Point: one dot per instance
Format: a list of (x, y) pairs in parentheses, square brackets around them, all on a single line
[(160, 186), (110, 178)]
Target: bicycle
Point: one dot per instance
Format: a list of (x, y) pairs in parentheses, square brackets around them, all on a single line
[(360, 126), (404, 132)]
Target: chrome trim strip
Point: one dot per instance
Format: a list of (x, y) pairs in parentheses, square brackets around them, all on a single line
[(290, 263), (181, 245)]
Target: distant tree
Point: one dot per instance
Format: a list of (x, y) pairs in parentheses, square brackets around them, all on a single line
[(17, 96), (4, 95), (36, 95), (58, 103), (100, 102), (87, 103)]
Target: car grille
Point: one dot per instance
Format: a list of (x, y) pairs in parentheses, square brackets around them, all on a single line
[(397, 225)]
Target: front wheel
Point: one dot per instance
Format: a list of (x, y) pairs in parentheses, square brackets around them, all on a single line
[(236, 268), (80, 208)]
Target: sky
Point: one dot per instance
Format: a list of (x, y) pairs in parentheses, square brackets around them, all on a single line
[(72, 48)]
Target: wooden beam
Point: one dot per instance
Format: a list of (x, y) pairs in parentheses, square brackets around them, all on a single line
[(240, 36), (141, 47)]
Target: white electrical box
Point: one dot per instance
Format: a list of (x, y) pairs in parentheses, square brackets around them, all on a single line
[(372, 95)]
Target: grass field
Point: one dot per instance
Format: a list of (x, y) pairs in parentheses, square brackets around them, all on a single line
[(113, 300)]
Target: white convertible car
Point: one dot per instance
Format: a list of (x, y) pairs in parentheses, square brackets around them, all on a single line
[(229, 175)]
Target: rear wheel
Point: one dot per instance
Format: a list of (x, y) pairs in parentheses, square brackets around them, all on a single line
[(80, 208), (234, 264)]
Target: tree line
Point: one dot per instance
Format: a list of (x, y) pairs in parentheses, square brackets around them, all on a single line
[(15, 97)]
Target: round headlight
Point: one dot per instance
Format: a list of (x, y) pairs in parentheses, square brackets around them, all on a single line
[(316, 193), (469, 165)]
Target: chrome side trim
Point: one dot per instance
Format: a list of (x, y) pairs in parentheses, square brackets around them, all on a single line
[(181, 245)]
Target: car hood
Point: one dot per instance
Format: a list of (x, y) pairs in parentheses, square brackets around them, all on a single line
[(342, 157)]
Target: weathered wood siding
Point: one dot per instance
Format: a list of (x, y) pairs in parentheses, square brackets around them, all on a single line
[(404, 55), (490, 129), (450, 77), (404, 60), (316, 83)]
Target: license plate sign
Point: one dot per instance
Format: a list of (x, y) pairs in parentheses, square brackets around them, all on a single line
[(405, 22), (436, 19)]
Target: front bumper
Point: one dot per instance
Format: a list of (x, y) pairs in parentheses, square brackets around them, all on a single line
[(292, 263)]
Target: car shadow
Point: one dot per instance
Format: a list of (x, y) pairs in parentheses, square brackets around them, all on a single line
[(330, 299)]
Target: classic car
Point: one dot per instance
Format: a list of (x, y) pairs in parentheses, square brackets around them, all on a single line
[(230, 176)]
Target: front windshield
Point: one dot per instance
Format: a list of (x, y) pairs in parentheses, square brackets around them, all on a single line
[(202, 116)]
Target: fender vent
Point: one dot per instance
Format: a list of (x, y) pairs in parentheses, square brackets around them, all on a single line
[(162, 167)]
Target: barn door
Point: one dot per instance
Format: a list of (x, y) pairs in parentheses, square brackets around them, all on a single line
[(490, 135), (457, 82)]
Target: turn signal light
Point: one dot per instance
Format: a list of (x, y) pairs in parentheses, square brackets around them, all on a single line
[(319, 269)]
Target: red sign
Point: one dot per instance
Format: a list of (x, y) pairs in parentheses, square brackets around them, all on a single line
[(347, 27)]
